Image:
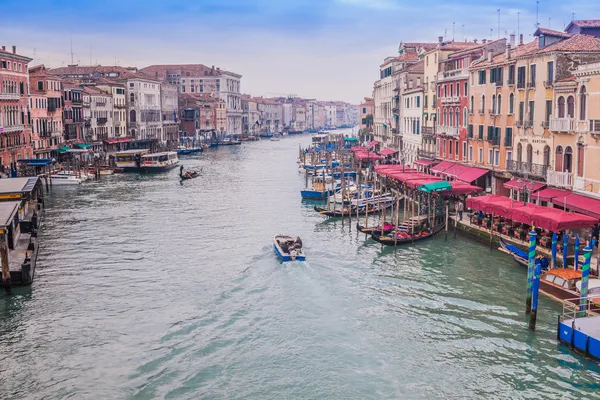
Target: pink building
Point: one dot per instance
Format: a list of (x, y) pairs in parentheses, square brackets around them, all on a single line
[(46, 111), (15, 120), (366, 108)]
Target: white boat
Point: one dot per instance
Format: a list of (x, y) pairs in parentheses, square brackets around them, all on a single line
[(274, 139), (157, 162), (107, 171), (63, 178), (286, 250)]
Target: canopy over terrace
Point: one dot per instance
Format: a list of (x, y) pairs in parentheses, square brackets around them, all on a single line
[(387, 152), (579, 203), (544, 217), (364, 156)]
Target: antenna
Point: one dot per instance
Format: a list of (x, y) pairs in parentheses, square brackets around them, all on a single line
[(445, 34), (498, 23), (518, 24), (463, 32), (537, 14), (34, 63), (71, 50), (453, 31), (572, 16), (491, 31)]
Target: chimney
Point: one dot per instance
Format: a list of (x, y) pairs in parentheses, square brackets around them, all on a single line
[(512, 40), (440, 39), (521, 39), (508, 51), (484, 41), (14, 49), (4, 48), (474, 40), (490, 56)]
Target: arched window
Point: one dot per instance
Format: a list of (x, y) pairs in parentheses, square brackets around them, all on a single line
[(561, 107), (499, 108), (546, 156), (568, 164), (457, 116), (472, 104), (558, 159), (494, 104), (519, 152), (132, 116), (580, 159), (449, 121), (465, 117), (570, 107), (529, 154), (131, 97), (582, 103), (482, 103)]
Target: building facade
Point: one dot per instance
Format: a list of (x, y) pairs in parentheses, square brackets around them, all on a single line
[(169, 109), (119, 119), (143, 108), (46, 108)]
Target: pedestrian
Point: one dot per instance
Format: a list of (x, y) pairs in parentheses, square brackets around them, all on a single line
[(460, 208)]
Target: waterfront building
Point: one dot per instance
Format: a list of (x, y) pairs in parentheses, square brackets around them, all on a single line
[(202, 115), (409, 114), (366, 109), (72, 97), (97, 115), (270, 115), (117, 91), (310, 114), (143, 108), (286, 111), (330, 115), (169, 108), (299, 117), (198, 78), (46, 108), (15, 119)]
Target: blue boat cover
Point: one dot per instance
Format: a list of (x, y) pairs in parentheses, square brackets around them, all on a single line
[(517, 251)]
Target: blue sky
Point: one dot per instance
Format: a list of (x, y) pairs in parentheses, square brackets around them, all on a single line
[(325, 49)]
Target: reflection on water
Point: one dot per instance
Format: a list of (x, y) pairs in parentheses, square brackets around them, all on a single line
[(151, 288)]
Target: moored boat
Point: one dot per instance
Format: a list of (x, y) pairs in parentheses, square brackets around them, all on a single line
[(142, 161), (288, 249), (65, 178), (387, 228), (398, 237)]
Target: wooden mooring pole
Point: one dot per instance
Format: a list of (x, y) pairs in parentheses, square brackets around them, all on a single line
[(5, 268)]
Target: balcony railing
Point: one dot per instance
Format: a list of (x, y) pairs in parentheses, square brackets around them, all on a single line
[(101, 120), (132, 124), (559, 179), (508, 141), (432, 155), (511, 82), (595, 126), (521, 85), (395, 130), (119, 105), (531, 84), (87, 122), (428, 132), (77, 101), (561, 124), (523, 167), (492, 112), (453, 74), (450, 99), (548, 84), (10, 96), (545, 124), (14, 128), (496, 141), (528, 124), (447, 130)]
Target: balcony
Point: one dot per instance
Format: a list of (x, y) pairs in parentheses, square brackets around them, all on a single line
[(559, 179), (531, 85), (100, 104), (508, 141), (446, 130), (431, 155), (10, 96), (492, 112), (519, 124), (119, 105), (528, 168), (561, 124), (548, 84), (496, 141), (453, 74), (595, 126), (132, 124), (396, 110), (521, 85), (13, 128), (511, 82), (450, 99), (87, 122), (395, 130), (499, 83), (528, 124), (101, 121), (545, 124), (428, 132)]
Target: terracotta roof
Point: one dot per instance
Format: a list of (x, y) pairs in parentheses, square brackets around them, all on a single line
[(193, 69), (575, 43), (124, 73), (567, 79), (586, 23), (421, 45), (550, 32), (567, 274), (457, 46), (416, 68), (407, 56), (88, 89), (519, 51)]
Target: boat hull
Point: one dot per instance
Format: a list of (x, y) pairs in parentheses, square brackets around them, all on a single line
[(283, 256), (390, 241), (370, 230), (150, 170), (315, 195), (349, 213)]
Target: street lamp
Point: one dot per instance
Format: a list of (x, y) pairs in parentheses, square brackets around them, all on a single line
[(526, 188)]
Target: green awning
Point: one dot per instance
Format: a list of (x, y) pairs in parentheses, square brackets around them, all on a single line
[(83, 146), (351, 139), (384, 125), (442, 186), (63, 149), (396, 97)]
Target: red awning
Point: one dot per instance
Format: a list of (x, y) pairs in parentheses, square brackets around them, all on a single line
[(550, 193), (526, 213), (118, 140), (441, 167), (582, 204), (373, 144), (558, 220), (364, 156), (425, 163), (492, 204), (357, 148), (414, 183), (471, 174), (387, 152), (463, 188), (518, 184)]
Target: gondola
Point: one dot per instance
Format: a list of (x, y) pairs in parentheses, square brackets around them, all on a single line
[(521, 256), (389, 239), (387, 228), (285, 249), (349, 211), (188, 174)]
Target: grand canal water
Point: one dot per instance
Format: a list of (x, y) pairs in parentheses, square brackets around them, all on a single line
[(149, 288)]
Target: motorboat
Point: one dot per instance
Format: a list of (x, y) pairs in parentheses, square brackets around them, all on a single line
[(63, 178), (274, 139), (287, 249)]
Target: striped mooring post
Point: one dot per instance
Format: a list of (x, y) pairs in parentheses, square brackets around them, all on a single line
[(535, 296), (565, 248), (585, 277), (530, 270), (576, 253), (554, 245)]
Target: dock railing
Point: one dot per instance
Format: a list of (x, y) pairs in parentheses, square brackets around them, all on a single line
[(572, 308)]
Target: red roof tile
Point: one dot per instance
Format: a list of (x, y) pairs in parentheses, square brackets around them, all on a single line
[(575, 43), (550, 32), (586, 23)]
